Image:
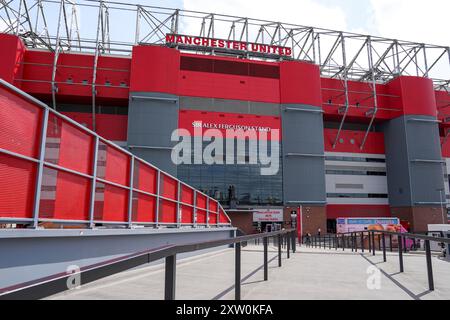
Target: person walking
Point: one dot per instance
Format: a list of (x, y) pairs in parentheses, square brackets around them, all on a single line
[(319, 231)]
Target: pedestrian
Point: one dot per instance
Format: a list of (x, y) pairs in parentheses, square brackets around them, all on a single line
[(319, 231)]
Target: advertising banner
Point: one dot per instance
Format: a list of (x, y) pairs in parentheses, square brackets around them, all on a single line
[(345, 225)]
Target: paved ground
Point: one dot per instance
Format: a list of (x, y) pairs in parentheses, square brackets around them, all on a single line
[(309, 274)]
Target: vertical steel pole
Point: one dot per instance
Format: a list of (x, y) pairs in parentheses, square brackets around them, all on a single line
[(373, 243), (237, 272), (294, 242), (130, 197), (170, 277), (279, 250), (355, 241), (405, 247), (369, 241), (158, 189), (429, 265), (179, 204), (266, 263), (362, 242), (93, 184), (343, 242), (400, 253), (40, 169), (390, 243), (383, 240), (288, 247)]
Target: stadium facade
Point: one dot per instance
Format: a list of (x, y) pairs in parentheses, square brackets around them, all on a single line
[(367, 147)]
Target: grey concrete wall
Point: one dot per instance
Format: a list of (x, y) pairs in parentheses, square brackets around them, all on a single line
[(413, 155), (303, 155), (32, 254), (151, 121)]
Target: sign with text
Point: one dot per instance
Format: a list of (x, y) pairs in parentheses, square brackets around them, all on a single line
[(268, 215), (229, 45)]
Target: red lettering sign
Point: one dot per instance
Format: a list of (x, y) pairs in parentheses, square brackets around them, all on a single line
[(175, 39)]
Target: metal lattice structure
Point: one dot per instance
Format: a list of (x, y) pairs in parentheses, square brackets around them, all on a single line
[(109, 27)]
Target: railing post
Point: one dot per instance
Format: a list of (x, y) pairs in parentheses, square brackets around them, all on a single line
[(379, 242), (373, 243), (40, 168), (383, 240), (405, 247), (294, 242), (355, 240), (390, 243), (279, 250), (362, 242), (400, 253), (130, 196), (93, 184), (369, 241), (237, 272), (352, 242), (170, 277), (329, 241), (429, 265), (266, 263), (288, 246), (158, 189), (343, 242)]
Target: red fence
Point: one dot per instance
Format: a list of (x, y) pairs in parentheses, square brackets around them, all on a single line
[(52, 169)]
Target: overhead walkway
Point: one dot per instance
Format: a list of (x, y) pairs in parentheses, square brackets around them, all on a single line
[(69, 197)]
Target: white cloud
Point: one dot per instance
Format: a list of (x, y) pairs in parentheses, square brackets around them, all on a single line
[(414, 20)]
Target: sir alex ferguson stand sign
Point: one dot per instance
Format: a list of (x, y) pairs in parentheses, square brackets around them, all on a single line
[(231, 46)]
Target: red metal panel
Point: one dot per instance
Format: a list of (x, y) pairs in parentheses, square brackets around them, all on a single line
[(201, 204), (110, 126), (350, 141), (64, 196), (154, 69), (300, 83), (145, 177), (20, 124), (212, 218), (213, 206), (222, 217), (168, 212), (357, 211), (69, 146), (417, 95), (17, 185), (144, 208), (187, 214), (112, 203), (117, 166), (11, 57), (201, 216), (169, 187)]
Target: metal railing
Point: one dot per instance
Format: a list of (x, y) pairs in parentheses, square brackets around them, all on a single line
[(45, 287), (382, 241), (146, 195)]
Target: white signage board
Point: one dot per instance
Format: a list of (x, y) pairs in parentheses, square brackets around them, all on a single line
[(268, 215)]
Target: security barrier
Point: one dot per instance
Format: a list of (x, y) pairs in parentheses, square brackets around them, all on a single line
[(54, 170)]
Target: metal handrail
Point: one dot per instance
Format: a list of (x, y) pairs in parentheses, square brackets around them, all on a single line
[(350, 240), (47, 286)]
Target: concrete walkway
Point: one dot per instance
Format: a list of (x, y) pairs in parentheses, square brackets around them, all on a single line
[(309, 274)]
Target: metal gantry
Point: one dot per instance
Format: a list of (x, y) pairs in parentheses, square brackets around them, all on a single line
[(111, 27)]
